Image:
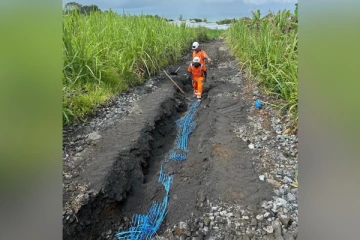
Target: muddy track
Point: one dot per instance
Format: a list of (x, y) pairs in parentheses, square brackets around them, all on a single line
[(116, 174)]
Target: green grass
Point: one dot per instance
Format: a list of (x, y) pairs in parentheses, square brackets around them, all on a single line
[(106, 53), (215, 33), (267, 48)]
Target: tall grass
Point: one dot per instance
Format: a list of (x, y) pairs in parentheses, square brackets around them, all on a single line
[(105, 53), (214, 33), (267, 47)]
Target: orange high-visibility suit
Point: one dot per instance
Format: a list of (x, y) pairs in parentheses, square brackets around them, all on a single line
[(197, 75), (202, 55)]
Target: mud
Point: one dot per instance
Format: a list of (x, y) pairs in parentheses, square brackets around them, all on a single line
[(115, 175)]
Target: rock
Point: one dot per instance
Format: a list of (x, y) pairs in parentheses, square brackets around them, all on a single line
[(109, 232), (260, 217), (277, 230), (269, 229), (282, 190), (251, 146), (262, 177), (223, 213), (279, 202), (287, 180), (253, 222), (288, 236), (94, 136), (79, 149), (291, 197), (182, 225)]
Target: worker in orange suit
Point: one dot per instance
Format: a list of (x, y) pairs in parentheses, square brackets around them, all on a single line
[(196, 74), (198, 52)]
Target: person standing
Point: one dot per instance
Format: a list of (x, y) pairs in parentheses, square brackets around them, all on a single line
[(198, 52), (196, 72)]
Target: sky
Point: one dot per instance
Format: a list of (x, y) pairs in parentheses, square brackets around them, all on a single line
[(212, 10)]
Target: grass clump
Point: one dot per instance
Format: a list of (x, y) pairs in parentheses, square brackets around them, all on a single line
[(267, 47), (105, 53)]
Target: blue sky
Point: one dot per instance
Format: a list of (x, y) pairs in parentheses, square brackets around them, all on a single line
[(211, 9)]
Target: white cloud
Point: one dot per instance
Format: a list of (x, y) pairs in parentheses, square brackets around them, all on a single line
[(260, 2)]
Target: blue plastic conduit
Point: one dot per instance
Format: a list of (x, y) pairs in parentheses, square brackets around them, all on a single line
[(144, 227)]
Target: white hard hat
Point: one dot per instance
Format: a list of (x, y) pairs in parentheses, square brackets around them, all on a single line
[(196, 60), (195, 45)]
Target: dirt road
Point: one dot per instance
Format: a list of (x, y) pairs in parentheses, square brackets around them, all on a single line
[(112, 164)]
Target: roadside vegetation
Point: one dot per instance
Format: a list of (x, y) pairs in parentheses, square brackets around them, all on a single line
[(105, 53), (268, 49), (226, 21)]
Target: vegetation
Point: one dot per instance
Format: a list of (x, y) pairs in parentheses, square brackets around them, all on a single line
[(267, 48), (196, 19), (215, 33), (226, 21), (105, 53), (82, 9)]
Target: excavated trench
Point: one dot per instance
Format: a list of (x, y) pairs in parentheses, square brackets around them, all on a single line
[(131, 183)]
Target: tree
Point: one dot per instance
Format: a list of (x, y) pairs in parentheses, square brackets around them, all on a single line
[(205, 20), (70, 6), (82, 9), (88, 9)]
